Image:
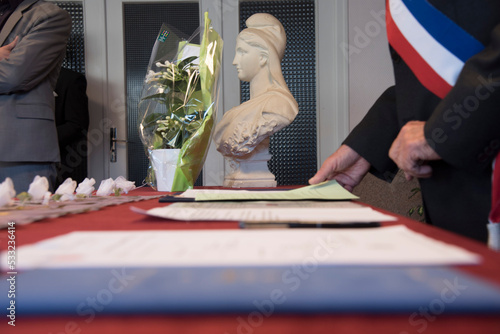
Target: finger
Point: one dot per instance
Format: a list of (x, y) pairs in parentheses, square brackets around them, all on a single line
[(321, 175), (419, 171), (408, 177), (424, 171), (348, 187), (326, 172), (407, 162), (394, 150), (13, 44), (345, 181), (317, 178)]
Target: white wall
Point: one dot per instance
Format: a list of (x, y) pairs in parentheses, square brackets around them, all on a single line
[(370, 69)]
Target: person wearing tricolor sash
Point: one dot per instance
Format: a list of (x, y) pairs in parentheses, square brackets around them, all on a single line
[(494, 218), (440, 122)]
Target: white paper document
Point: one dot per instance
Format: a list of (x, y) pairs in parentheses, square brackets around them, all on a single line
[(394, 245), (270, 211)]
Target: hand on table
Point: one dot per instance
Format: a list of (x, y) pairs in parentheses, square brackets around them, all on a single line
[(345, 165), (410, 151)]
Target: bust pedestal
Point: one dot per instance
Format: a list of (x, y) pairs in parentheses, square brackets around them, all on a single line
[(251, 170)]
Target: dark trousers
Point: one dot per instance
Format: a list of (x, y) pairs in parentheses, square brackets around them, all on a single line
[(23, 173)]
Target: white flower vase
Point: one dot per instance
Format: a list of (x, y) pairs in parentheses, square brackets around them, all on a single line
[(164, 162)]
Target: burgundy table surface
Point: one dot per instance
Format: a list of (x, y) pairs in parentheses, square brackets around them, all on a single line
[(117, 218)]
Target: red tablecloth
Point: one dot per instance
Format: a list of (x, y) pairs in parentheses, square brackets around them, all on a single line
[(122, 218)]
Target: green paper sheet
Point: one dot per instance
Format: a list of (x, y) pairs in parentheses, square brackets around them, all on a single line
[(328, 190)]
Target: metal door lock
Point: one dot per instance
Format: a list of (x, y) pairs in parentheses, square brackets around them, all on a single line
[(112, 144)]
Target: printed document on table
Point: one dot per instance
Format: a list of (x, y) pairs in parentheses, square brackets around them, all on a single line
[(392, 245), (270, 211), (328, 190)]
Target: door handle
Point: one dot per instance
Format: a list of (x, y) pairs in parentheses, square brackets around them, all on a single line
[(112, 144)]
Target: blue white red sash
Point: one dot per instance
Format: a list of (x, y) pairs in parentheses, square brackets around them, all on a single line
[(433, 46)]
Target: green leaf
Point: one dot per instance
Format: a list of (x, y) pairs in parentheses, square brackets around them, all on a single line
[(150, 120), (24, 197), (414, 191), (176, 104), (421, 210), (155, 96), (157, 141), (186, 61), (166, 83), (181, 86)]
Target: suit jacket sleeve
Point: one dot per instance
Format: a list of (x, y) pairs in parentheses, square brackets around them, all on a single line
[(37, 53), (373, 136), (464, 129)]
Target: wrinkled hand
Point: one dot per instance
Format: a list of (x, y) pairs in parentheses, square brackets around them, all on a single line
[(410, 151), (345, 165), (7, 49)]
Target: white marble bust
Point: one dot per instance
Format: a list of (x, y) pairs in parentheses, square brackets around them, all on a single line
[(242, 135)]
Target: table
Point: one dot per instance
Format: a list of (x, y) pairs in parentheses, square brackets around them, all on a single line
[(121, 218)]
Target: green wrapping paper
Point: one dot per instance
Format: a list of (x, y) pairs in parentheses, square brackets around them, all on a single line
[(179, 101), (194, 150)]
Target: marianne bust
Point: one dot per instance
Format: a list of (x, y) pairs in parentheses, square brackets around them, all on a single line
[(242, 135)]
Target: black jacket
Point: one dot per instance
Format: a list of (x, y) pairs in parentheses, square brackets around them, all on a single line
[(463, 128)]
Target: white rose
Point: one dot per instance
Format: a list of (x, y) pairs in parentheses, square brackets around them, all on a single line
[(7, 192), (123, 184), (38, 188), (106, 188), (86, 187), (67, 187)]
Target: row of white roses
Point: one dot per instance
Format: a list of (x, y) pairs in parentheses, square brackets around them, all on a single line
[(68, 190)]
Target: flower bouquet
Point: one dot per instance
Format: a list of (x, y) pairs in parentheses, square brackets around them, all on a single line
[(178, 107)]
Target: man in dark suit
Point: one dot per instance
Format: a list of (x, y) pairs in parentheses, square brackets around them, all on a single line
[(448, 142), (72, 121), (28, 137)]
